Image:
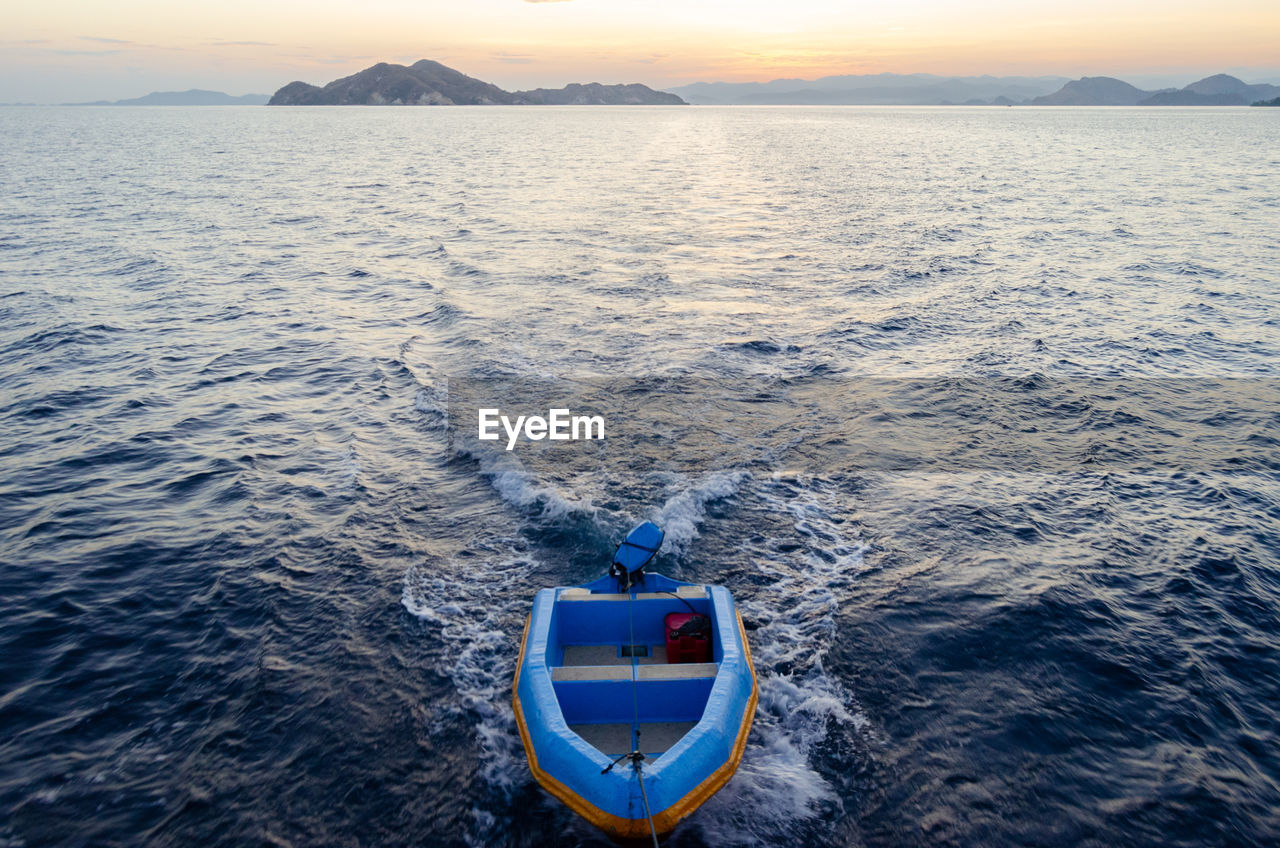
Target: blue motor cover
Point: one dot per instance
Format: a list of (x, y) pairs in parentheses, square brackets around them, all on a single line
[(640, 546)]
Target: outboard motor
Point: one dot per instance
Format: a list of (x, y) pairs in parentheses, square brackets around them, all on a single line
[(640, 546)]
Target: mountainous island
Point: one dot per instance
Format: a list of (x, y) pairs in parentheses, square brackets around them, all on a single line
[(428, 83), (191, 97)]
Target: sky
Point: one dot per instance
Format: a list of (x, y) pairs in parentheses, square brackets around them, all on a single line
[(76, 50)]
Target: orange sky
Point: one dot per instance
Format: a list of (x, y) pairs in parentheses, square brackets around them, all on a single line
[(76, 49)]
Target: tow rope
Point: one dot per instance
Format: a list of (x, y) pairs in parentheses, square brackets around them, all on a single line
[(636, 757)]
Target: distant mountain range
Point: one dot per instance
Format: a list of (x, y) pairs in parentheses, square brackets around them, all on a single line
[(192, 97), (931, 90), (428, 83), (1217, 90), (873, 90), (431, 83)]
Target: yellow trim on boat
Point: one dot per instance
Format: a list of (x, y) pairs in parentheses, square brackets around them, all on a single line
[(718, 778), (665, 821)]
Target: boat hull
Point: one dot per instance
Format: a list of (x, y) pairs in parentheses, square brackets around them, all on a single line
[(547, 697)]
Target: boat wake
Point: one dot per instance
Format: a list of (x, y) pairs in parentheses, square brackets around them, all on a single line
[(479, 607), (683, 512), (807, 561), (791, 544)]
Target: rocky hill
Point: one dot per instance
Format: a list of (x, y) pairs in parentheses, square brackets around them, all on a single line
[(423, 83), (428, 83), (1217, 90), (1094, 91), (1182, 97)]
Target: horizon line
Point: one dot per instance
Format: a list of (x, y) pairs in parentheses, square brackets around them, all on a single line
[(1041, 76)]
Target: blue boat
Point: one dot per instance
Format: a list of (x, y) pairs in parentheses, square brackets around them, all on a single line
[(634, 694)]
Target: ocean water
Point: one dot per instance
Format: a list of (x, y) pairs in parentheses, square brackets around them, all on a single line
[(975, 411)]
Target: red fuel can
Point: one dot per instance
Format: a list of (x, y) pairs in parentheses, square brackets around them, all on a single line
[(688, 637)]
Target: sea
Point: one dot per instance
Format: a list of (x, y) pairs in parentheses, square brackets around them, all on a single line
[(974, 410)]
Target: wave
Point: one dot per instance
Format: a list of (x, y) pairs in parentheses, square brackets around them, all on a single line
[(685, 511), (519, 487), (778, 788), (432, 400), (479, 612)]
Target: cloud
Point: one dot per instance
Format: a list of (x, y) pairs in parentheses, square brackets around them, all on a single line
[(514, 58), (336, 60), (546, 1), (241, 44), (120, 45)]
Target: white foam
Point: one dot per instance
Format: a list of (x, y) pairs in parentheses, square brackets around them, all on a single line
[(518, 487), (508, 476), (684, 511), (351, 466), (433, 401), (774, 787), (513, 482), (479, 613), (777, 785)]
